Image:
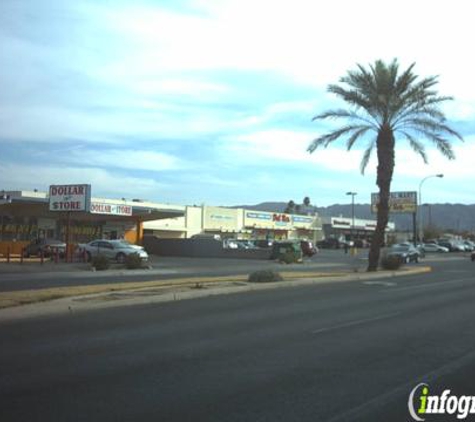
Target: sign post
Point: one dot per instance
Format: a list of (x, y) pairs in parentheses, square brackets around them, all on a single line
[(69, 198), (399, 203)]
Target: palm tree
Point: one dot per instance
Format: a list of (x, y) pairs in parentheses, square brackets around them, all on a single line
[(386, 102), (290, 209)]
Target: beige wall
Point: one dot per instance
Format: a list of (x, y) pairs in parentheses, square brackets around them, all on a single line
[(221, 219), (232, 221)]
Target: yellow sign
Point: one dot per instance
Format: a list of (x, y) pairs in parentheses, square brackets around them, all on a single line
[(399, 202)]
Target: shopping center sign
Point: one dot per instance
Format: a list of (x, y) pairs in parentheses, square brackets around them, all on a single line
[(69, 197), (111, 209), (399, 202)]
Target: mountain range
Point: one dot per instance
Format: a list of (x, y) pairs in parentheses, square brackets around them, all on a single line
[(453, 217)]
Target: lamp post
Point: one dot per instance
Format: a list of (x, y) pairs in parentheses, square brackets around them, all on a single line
[(421, 229), (352, 213)]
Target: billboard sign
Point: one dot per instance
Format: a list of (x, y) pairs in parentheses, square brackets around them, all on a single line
[(111, 209), (69, 197), (399, 202)]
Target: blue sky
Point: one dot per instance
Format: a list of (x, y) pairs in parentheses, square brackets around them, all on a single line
[(211, 101)]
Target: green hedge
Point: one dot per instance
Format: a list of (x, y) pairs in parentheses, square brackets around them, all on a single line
[(264, 276), (100, 262)]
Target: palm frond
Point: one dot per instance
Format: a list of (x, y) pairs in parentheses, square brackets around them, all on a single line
[(326, 139), (356, 135), (367, 156), (431, 126), (416, 146), (344, 114)]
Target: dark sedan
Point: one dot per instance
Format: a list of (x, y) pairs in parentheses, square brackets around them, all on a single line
[(407, 253)]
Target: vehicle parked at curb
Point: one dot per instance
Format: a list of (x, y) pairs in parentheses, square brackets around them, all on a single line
[(45, 247), (407, 252), (117, 250)]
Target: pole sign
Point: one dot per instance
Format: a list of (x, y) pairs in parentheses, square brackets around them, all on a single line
[(111, 209), (399, 202), (69, 197)]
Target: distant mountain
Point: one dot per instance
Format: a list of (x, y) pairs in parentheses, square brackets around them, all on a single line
[(457, 217)]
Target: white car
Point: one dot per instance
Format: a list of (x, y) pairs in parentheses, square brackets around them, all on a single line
[(433, 247), (113, 249)]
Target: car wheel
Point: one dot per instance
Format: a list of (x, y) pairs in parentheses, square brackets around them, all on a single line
[(120, 258)]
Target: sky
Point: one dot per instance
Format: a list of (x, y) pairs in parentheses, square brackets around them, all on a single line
[(211, 101)]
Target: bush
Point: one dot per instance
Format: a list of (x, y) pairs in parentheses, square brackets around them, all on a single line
[(100, 262), (289, 257), (264, 276), (391, 262), (133, 261)]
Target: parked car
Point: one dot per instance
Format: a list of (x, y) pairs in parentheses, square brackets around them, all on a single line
[(279, 249), (459, 247), (434, 247), (329, 243), (469, 245), (47, 247), (263, 243), (308, 249), (114, 249), (407, 252), (447, 244)]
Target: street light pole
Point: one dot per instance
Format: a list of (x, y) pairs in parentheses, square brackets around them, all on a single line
[(421, 229), (352, 213)]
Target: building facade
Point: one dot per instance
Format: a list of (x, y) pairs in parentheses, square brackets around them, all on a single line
[(237, 223), (345, 229)]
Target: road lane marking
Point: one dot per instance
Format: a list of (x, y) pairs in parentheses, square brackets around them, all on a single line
[(380, 283), (430, 285), (354, 323), (378, 402)]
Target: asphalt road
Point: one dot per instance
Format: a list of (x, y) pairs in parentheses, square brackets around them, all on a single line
[(14, 277), (331, 353)]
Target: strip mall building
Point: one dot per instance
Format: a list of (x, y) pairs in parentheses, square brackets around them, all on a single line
[(64, 213)]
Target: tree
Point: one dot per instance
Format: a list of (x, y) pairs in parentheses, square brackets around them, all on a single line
[(306, 201), (385, 103), (290, 209)]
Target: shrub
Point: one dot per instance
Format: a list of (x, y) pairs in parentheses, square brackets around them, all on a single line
[(289, 257), (264, 276), (391, 262), (133, 261), (100, 262)]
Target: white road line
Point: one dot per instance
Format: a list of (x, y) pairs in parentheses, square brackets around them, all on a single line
[(380, 283), (429, 285), (353, 323)]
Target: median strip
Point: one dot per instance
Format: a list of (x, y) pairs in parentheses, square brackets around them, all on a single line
[(24, 297)]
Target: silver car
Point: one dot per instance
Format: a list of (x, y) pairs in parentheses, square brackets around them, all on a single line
[(114, 249)]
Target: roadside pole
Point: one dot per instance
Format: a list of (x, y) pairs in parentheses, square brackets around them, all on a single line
[(414, 228)]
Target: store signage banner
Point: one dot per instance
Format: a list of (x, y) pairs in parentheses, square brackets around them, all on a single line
[(111, 209), (399, 202), (69, 197)]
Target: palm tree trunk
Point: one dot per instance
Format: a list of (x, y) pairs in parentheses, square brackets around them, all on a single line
[(385, 149)]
